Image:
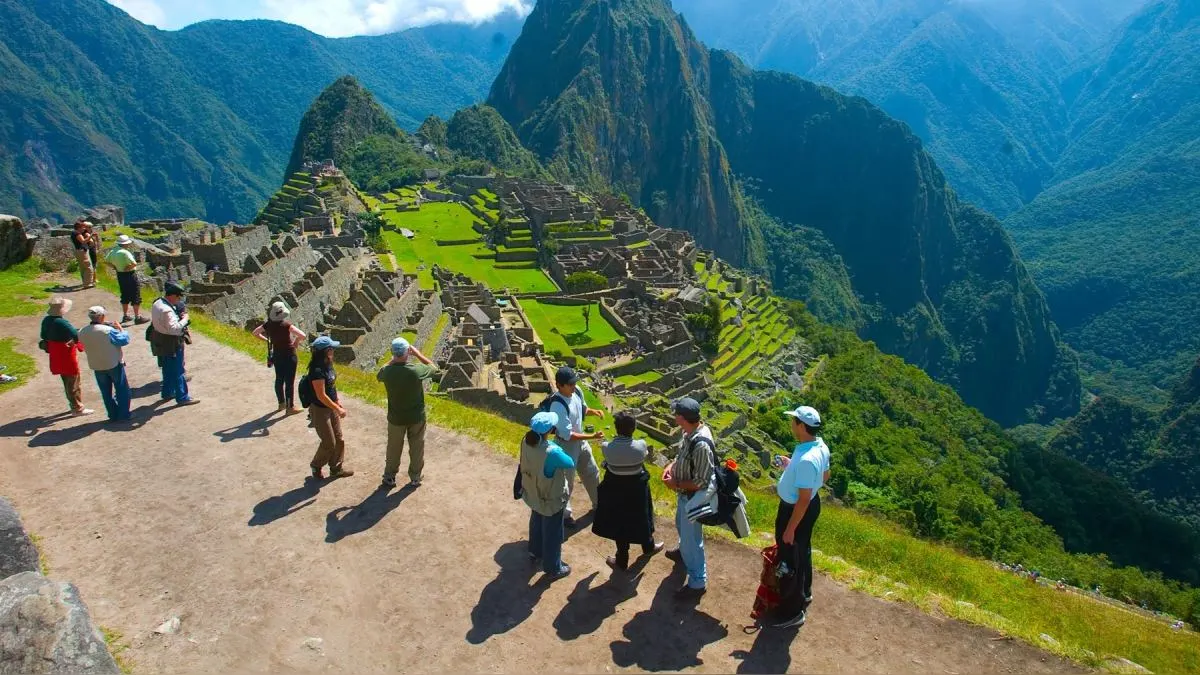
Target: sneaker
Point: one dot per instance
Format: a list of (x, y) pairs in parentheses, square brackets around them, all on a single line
[(794, 622), (415, 483), (656, 548), (190, 401), (82, 411), (340, 473), (140, 320), (674, 555), (686, 593), (281, 407), (562, 572), (616, 564), (125, 320), (388, 482), (294, 411)]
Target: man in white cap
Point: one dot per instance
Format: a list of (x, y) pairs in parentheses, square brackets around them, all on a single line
[(405, 384), (103, 345), (125, 264), (799, 507)]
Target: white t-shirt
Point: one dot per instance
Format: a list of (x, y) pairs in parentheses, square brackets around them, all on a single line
[(807, 470)]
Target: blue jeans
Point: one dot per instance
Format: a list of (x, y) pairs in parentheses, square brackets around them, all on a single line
[(546, 536), (173, 384), (114, 380), (691, 545)]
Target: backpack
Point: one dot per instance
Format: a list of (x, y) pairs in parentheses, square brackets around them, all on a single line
[(768, 596), (304, 392), (727, 480), (547, 402)]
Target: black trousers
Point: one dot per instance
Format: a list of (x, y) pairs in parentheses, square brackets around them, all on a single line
[(285, 378), (797, 586)]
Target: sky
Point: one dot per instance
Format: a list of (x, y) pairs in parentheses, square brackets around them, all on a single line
[(332, 18)]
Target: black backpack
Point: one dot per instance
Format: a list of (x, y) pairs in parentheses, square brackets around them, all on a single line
[(727, 481), (544, 406), (304, 392)]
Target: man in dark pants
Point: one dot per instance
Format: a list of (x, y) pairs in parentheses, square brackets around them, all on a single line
[(799, 507), (168, 339)]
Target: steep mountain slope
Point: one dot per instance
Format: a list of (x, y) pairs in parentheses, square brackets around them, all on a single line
[(343, 116), (97, 107), (621, 93), (480, 132)]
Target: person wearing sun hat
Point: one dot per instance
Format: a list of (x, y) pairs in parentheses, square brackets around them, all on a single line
[(327, 412), (283, 338), (544, 480), (405, 384), (799, 507), (125, 264), (61, 341)]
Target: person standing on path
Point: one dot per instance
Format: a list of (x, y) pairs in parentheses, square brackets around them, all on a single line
[(327, 413), (405, 384), (693, 471), (568, 403), (799, 507), (62, 344), (283, 338), (84, 243), (125, 265), (168, 336), (625, 510), (545, 487), (103, 344)]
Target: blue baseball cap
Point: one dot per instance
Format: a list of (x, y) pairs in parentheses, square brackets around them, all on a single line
[(544, 422), (325, 342), (400, 346)]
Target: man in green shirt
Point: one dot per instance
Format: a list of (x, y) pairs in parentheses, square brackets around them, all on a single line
[(405, 384), (125, 265)]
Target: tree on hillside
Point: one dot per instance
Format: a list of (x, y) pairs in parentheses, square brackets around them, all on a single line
[(586, 281), (587, 317), (433, 131)]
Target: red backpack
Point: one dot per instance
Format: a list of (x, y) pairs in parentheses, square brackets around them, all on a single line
[(767, 598)]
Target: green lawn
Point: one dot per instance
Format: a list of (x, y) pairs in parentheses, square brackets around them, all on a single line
[(20, 366), (648, 376), (561, 327), (23, 293), (453, 222)]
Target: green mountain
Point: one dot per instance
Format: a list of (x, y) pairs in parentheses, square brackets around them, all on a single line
[(341, 118), (622, 94), (481, 133), (96, 107), (1115, 243)]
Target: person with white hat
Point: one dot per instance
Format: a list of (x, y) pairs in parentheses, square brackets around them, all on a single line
[(60, 340), (405, 384), (544, 479), (282, 338), (125, 265), (799, 507), (103, 345)]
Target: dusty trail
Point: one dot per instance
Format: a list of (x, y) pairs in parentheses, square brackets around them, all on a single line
[(202, 513)]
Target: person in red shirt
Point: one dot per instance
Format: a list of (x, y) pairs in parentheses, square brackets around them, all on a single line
[(61, 342)]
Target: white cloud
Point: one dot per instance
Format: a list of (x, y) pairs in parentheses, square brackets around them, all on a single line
[(340, 18), (146, 11)]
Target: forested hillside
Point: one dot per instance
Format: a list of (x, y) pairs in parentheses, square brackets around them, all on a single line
[(622, 96), (96, 107)]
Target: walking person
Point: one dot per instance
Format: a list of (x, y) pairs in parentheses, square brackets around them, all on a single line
[(84, 242), (625, 510), (125, 264), (799, 507), (568, 403), (168, 338), (61, 342), (693, 472), (327, 413), (104, 343), (283, 338), (405, 384), (545, 483)]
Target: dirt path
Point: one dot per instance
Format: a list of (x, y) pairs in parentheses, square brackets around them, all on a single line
[(202, 513)]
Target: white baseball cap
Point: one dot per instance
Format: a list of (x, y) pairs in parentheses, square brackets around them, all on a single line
[(806, 414)]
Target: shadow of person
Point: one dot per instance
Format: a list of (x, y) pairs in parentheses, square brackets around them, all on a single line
[(144, 390), (770, 653), (31, 426), (587, 608), (582, 524), (669, 635), (508, 599), (53, 438), (347, 520), (258, 427), (273, 508)]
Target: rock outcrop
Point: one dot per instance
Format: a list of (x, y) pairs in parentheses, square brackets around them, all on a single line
[(14, 245), (17, 552), (46, 628)]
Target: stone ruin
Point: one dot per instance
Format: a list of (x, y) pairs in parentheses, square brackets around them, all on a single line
[(380, 306)]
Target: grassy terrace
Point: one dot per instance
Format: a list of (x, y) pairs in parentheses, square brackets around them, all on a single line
[(648, 376), (561, 327), (453, 222)]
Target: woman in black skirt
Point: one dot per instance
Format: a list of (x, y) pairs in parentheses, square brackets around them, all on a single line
[(624, 509)]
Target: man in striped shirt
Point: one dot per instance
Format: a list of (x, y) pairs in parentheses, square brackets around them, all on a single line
[(691, 472)]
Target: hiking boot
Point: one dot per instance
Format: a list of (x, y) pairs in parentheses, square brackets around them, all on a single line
[(793, 622), (340, 472), (414, 483), (562, 572), (617, 562), (317, 474), (138, 321), (388, 482), (674, 555), (686, 593), (126, 320), (655, 548)]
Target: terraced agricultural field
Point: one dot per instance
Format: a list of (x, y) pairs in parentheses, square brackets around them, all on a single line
[(561, 327)]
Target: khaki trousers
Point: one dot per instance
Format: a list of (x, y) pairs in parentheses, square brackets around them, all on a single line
[(332, 449), (73, 388), (86, 273), (415, 433)]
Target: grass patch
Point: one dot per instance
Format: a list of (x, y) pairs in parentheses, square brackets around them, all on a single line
[(385, 261), (116, 646), (24, 293), (21, 366), (43, 560), (561, 327), (648, 376), (443, 321)]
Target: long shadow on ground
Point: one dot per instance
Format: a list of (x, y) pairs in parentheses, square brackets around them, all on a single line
[(508, 599), (273, 508), (770, 653), (347, 520), (259, 427), (587, 607), (669, 635), (31, 426)]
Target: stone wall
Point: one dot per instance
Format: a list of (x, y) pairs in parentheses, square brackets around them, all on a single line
[(14, 245), (248, 299), (324, 286), (374, 315), (430, 315), (228, 253), (344, 241), (516, 411)]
